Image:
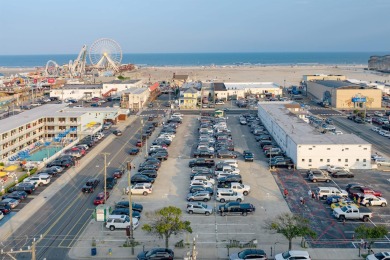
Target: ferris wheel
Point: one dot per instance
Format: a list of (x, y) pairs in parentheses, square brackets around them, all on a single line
[(51, 69), (105, 54)]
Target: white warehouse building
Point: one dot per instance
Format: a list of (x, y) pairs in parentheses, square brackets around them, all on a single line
[(306, 146)]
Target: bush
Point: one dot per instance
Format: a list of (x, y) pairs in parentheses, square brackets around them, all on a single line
[(1, 164)]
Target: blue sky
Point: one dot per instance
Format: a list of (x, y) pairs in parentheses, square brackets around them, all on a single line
[(177, 26)]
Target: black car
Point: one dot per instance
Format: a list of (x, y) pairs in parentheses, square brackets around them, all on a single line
[(209, 174), (125, 211), (231, 178), (158, 150), (29, 188), (117, 132), (149, 173), (156, 163), (139, 178), (18, 195), (110, 182), (125, 204), (226, 154), (144, 167), (161, 156), (134, 151), (61, 163), (248, 156), (6, 209), (90, 185), (203, 154), (67, 157), (250, 254), (49, 171), (196, 188), (156, 254)]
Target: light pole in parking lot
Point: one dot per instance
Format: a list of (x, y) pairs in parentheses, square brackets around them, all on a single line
[(105, 176), (131, 234)]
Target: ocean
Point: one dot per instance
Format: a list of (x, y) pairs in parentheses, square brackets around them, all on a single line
[(206, 59)]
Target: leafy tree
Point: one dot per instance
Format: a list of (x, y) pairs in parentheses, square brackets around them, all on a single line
[(166, 222), (120, 77), (290, 226), (370, 233)]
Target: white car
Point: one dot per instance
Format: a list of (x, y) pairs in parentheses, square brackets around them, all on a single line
[(120, 221), (140, 189), (333, 168), (294, 254), (384, 133), (201, 183), (224, 174), (375, 129), (379, 256), (337, 132), (204, 178), (378, 113), (29, 181), (1, 215), (372, 200)]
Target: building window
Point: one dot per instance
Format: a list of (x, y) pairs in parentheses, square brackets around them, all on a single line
[(327, 148), (321, 160), (310, 148), (347, 148), (339, 160), (365, 148), (346, 160), (309, 160), (327, 160), (357, 160), (303, 160), (364, 160)]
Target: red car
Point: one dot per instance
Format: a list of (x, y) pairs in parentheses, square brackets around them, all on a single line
[(78, 149), (100, 198), (355, 192), (118, 173), (140, 143)]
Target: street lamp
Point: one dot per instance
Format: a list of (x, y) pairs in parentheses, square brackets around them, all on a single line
[(131, 234)]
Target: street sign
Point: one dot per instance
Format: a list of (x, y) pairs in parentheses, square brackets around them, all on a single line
[(359, 99)]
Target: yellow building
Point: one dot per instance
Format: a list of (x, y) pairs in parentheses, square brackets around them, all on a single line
[(345, 95), (189, 99), (323, 77)]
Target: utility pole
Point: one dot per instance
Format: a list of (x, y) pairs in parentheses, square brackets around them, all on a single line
[(131, 237), (29, 249), (105, 176)]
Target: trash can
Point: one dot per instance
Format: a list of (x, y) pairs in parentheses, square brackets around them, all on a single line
[(93, 251)]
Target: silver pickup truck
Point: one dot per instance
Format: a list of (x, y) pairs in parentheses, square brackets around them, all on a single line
[(352, 212)]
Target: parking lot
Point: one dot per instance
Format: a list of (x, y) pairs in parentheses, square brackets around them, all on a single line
[(214, 231)]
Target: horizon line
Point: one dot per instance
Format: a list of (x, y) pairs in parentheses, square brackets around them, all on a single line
[(154, 53)]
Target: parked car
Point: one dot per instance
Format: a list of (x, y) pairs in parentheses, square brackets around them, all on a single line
[(199, 196), (19, 195), (334, 168), (199, 208), (117, 132), (343, 174), (125, 211), (196, 188), (110, 182), (139, 178), (5, 209), (372, 200), (100, 198), (292, 255), (258, 254), (125, 204), (379, 256), (156, 254), (140, 189), (120, 221), (13, 203)]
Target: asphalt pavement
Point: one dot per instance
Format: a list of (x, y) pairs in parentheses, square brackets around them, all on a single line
[(62, 218)]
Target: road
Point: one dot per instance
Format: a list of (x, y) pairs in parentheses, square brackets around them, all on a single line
[(62, 219), (380, 143)]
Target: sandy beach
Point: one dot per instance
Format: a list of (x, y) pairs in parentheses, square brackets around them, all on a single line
[(282, 75)]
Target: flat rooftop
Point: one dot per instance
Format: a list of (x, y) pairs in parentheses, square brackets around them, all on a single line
[(129, 81), (337, 84), (48, 110), (302, 132), (243, 85), (82, 86), (135, 91)]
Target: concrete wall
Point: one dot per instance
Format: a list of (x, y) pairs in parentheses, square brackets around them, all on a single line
[(343, 98), (317, 90), (352, 156)]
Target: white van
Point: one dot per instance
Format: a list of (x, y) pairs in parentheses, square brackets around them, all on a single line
[(120, 221), (41, 179), (231, 162), (224, 195), (325, 192)]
